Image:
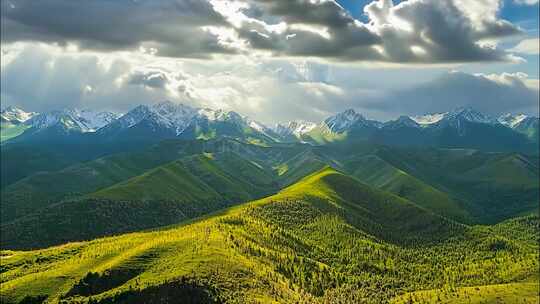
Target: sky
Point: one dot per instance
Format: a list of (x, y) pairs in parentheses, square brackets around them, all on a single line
[(274, 61)]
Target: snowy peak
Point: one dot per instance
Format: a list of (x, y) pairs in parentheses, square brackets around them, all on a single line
[(166, 114), (453, 118), (401, 122), (133, 117), (296, 128), (177, 118), (344, 120), (73, 119), (470, 115), (512, 120), (95, 120), (221, 116), (428, 119), (15, 115), (173, 111), (173, 115)]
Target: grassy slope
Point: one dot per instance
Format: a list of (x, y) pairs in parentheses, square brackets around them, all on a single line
[(223, 176), (376, 172), (315, 235), (299, 166), (515, 293), (8, 131), (183, 189), (494, 186), (50, 187), (169, 182), (37, 191)]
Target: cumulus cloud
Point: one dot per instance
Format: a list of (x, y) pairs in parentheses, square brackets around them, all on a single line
[(528, 46), (438, 31), (417, 31)]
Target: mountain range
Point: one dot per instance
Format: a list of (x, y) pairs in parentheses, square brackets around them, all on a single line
[(463, 127)]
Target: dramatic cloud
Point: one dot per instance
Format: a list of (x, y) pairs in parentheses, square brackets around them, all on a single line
[(172, 28), (273, 60), (44, 78), (438, 31), (414, 31), (493, 94)]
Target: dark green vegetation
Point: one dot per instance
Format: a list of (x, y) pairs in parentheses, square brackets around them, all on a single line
[(178, 180), (328, 238)]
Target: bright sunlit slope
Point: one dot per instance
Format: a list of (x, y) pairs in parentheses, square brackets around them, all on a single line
[(326, 237)]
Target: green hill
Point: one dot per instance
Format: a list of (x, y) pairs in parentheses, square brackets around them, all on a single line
[(199, 177), (376, 172), (491, 186), (515, 293), (18, 162), (49, 187), (183, 189), (9, 131), (326, 238), (299, 166)]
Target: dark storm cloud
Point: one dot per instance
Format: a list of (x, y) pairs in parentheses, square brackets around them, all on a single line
[(415, 31), (441, 29), (491, 94), (113, 25), (152, 79)]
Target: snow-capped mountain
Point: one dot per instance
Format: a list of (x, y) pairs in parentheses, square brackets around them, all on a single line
[(401, 122), (346, 120), (165, 115), (511, 120), (15, 115), (468, 114), (296, 128), (529, 127), (428, 119), (453, 118), (72, 119), (463, 127), (458, 119), (170, 120)]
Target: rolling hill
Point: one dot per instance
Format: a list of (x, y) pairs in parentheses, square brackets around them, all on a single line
[(45, 188), (180, 190), (491, 186), (376, 172), (327, 237), (81, 201)]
